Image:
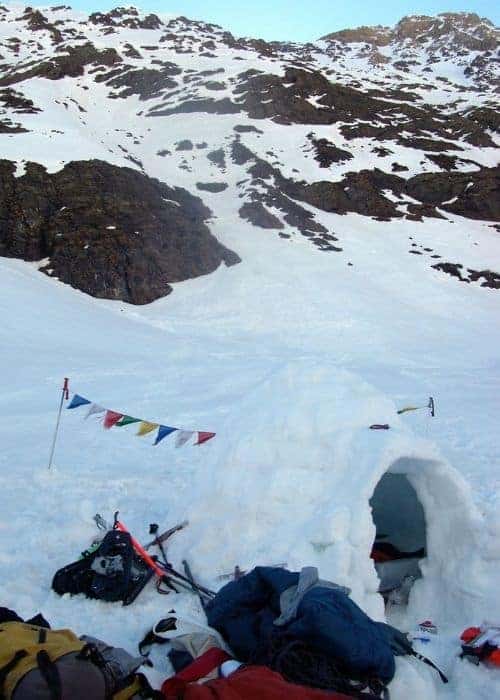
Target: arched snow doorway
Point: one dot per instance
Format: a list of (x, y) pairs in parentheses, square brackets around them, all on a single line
[(444, 521), (400, 539)]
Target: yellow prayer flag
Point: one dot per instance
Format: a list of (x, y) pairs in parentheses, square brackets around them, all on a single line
[(146, 428)]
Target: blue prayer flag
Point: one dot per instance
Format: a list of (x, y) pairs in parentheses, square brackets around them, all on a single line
[(78, 400), (163, 431)]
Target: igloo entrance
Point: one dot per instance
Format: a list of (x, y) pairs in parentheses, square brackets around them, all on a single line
[(401, 536)]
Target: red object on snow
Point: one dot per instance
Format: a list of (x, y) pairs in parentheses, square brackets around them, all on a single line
[(204, 437), (249, 683), (200, 668), (494, 658), (469, 634), (111, 418)]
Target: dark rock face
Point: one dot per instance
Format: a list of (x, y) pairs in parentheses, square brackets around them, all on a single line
[(258, 215), (246, 128), (185, 145), (17, 102), (38, 22), (71, 64), (217, 158), (111, 232), (214, 187), (357, 192), (327, 153), (210, 106), (475, 195), (8, 127), (270, 189), (490, 279), (125, 17), (145, 82)]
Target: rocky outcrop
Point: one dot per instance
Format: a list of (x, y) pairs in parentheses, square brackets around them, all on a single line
[(378, 36), (111, 232), (487, 278), (144, 82), (38, 22), (70, 64), (213, 187), (327, 153), (17, 102), (475, 195), (126, 17), (459, 29), (469, 40), (465, 30)]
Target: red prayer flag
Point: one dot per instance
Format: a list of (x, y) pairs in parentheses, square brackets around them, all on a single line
[(111, 418), (204, 437)]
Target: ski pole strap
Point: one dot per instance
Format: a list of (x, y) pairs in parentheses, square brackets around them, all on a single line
[(50, 674), (9, 666), (431, 664)]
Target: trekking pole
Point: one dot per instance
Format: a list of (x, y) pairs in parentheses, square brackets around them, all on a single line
[(201, 596), (141, 551), (64, 395)]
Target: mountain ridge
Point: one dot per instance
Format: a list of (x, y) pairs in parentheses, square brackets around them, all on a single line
[(280, 136)]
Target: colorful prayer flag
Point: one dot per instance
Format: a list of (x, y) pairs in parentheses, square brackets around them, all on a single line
[(204, 437), (126, 420), (163, 431), (146, 427), (77, 401), (95, 409), (111, 418), (182, 437), (115, 419)]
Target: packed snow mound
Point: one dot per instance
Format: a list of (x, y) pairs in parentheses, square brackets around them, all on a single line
[(290, 481)]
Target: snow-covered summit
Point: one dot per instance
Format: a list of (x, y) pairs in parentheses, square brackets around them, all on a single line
[(421, 44)]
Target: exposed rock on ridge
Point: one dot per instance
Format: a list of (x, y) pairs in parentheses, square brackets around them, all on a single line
[(86, 220)]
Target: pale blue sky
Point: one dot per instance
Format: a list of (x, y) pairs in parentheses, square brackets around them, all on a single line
[(298, 20)]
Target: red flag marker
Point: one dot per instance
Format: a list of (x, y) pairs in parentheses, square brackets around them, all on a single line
[(111, 418), (204, 437)]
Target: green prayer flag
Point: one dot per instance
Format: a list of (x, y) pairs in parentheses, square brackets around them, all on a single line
[(127, 420)]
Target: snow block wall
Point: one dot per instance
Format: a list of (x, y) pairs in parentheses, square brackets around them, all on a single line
[(291, 477)]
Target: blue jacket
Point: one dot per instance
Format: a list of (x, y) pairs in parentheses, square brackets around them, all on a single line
[(327, 620)]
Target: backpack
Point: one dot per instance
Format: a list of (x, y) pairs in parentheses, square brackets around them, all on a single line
[(112, 572), (36, 662)]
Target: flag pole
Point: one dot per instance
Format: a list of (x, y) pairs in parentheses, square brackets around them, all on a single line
[(64, 395)]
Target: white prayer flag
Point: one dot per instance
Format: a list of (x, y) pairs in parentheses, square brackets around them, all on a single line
[(183, 436), (95, 409)]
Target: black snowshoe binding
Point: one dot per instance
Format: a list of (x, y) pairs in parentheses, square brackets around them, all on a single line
[(111, 572)]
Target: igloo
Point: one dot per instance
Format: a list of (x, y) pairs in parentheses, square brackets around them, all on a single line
[(296, 476)]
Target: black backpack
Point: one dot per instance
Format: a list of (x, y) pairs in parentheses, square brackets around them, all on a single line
[(112, 572)]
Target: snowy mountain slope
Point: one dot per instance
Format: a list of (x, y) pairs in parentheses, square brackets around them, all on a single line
[(287, 132), (288, 355)]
